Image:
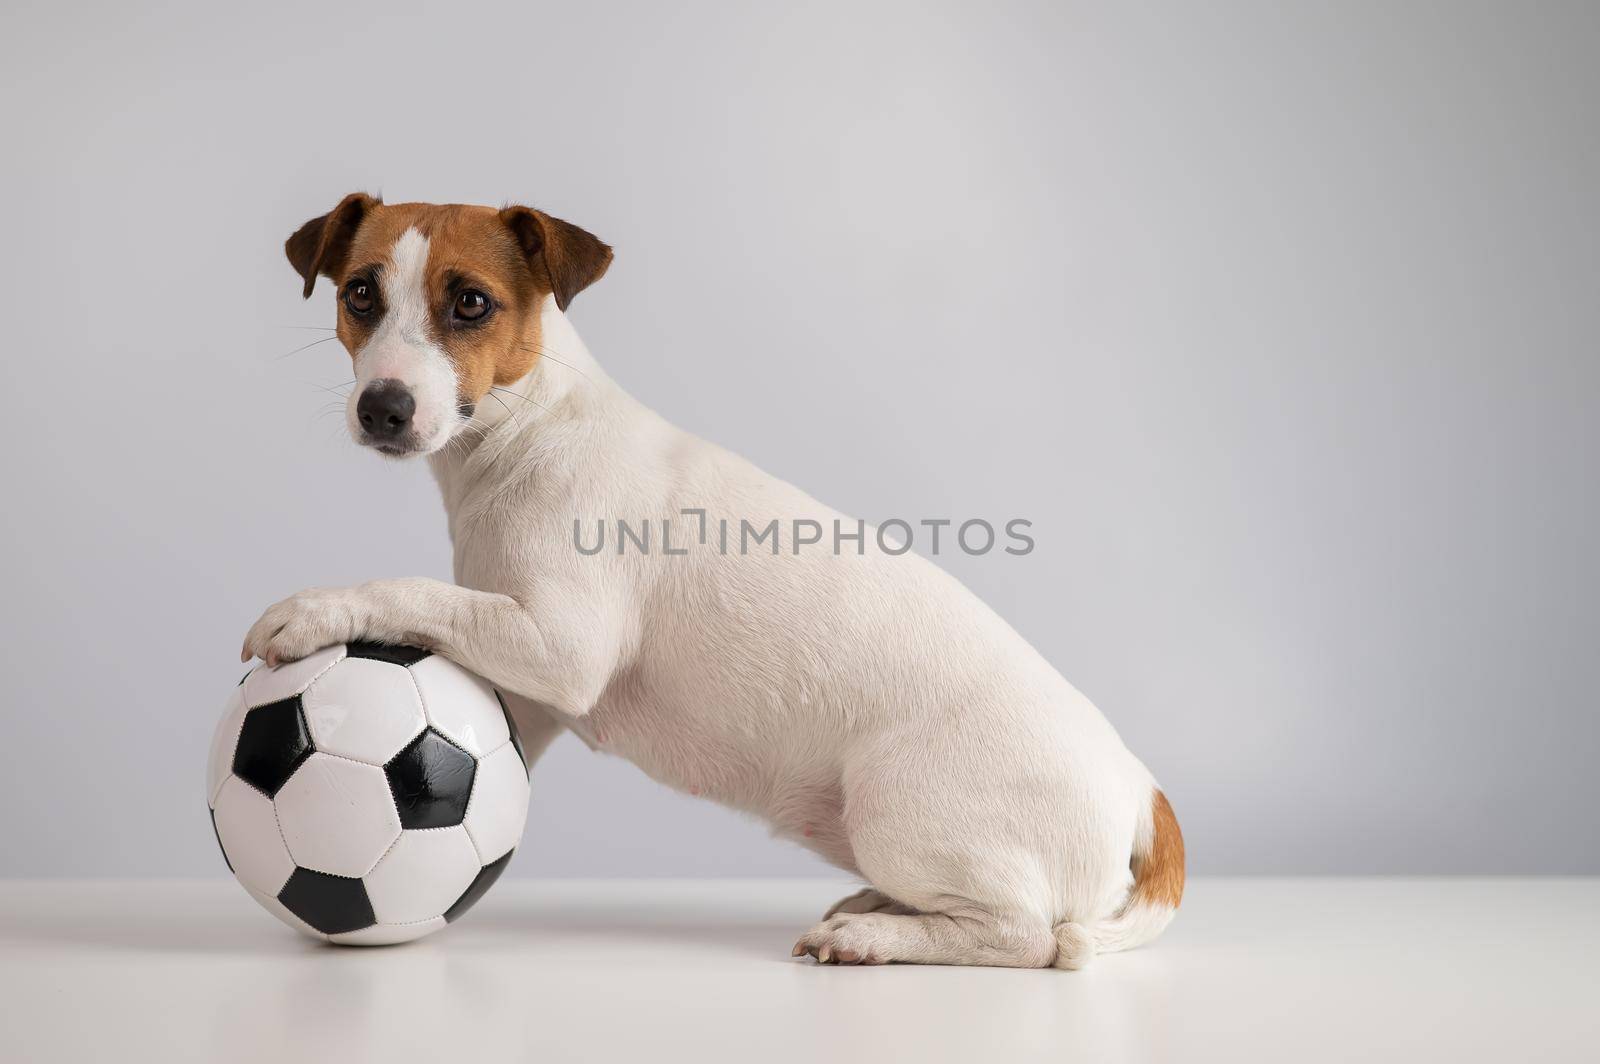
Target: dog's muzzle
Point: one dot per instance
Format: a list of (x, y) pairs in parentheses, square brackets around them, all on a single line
[(385, 410)]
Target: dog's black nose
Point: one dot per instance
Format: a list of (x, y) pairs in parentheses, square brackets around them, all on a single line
[(385, 409)]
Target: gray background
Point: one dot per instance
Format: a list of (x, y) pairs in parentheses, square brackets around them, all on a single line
[(1279, 321)]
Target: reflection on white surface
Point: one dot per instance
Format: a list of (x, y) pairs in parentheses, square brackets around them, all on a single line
[(1301, 970)]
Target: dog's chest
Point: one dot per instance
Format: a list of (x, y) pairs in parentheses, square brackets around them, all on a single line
[(803, 803), (701, 750), (681, 746)]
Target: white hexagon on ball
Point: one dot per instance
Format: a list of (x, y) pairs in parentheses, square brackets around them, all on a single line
[(363, 709), (219, 762), (499, 808), (422, 875), (247, 828), (462, 706), (275, 683), (337, 815), (388, 934)]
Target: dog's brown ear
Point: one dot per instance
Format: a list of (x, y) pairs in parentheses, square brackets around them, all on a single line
[(320, 246), (572, 258)]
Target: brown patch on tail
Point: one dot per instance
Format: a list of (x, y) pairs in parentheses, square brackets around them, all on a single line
[(1158, 876)]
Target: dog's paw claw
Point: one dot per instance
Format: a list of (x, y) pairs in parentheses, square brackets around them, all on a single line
[(846, 939)]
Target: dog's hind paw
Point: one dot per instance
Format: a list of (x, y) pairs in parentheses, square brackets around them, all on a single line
[(866, 900), (832, 942)]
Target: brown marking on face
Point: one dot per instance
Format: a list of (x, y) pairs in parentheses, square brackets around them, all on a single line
[(515, 257), (1158, 879)]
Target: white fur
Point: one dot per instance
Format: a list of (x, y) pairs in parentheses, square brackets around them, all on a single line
[(401, 349), (866, 706)]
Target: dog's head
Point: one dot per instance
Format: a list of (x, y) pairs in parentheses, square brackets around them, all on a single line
[(437, 304)]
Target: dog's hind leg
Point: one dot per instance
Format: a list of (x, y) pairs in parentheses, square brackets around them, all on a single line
[(867, 900), (929, 938)]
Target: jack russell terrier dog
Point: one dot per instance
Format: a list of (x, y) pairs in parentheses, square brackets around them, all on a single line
[(862, 702)]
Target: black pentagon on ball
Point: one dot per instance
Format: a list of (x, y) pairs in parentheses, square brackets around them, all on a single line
[(394, 655), (478, 887), (431, 781), (516, 739), (330, 904), (272, 743)]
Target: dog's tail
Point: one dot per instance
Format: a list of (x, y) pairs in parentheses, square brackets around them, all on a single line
[(1157, 863)]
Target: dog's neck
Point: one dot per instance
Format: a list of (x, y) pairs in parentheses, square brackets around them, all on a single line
[(564, 382)]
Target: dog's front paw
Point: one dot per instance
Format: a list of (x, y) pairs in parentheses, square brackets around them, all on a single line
[(302, 624)]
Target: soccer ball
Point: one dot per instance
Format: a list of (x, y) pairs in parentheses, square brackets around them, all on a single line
[(367, 794)]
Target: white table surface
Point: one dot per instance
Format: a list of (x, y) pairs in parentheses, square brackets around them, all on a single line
[(666, 970)]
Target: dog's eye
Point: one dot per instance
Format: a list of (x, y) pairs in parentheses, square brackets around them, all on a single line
[(358, 297), (471, 305)]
